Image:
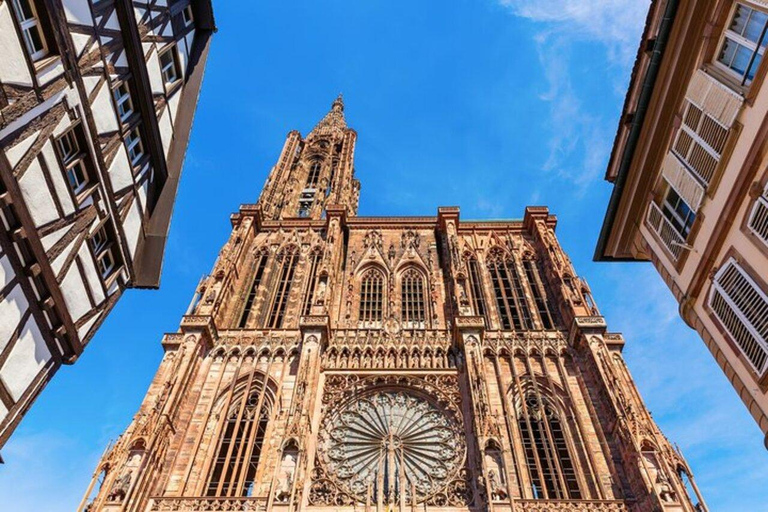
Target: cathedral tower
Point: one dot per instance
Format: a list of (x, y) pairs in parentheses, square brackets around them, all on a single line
[(334, 362)]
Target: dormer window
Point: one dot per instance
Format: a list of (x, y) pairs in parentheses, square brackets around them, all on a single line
[(104, 251), (123, 100), (187, 16), (74, 158), (169, 66), (743, 43), (31, 28), (134, 145)]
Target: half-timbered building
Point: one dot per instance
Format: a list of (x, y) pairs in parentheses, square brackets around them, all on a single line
[(96, 105)]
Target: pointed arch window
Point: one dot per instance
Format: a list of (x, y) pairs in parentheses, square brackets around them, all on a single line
[(241, 439), (539, 293), (510, 297), (314, 263), (412, 299), (549, 462), (371, 298), (475, 285), (287, 260), (314, 174), (260, 265)]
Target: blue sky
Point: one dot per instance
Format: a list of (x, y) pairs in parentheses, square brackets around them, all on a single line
[(490, 105)]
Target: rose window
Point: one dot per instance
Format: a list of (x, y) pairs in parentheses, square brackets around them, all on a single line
[(389, 445)]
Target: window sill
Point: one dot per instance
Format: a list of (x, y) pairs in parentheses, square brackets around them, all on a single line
[(81, 196), (45, 63)]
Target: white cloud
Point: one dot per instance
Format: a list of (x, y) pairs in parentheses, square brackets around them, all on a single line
[(616, 23), (581, 141)]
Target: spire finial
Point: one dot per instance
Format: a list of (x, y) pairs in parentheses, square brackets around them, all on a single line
[(338, 104)]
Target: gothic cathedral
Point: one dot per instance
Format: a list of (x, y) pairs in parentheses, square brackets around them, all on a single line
[(332, 362)]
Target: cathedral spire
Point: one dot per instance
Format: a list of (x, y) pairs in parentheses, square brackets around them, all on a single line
[(332, 122)]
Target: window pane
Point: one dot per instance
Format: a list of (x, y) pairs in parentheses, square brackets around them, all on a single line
[(755, 26), (740, 17), (24, 10), (741, 59), (727, 53)]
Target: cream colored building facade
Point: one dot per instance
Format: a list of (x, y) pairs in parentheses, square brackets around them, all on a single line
[(690, 185), (332, 362)]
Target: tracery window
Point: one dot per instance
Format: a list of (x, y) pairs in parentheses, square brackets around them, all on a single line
[(287, 260), (371, 298), (242, 436), (547, 457), (539, 293), (314, 263), (510, 297), (314, 174), (412, 299), (261, 264), (475, 286)]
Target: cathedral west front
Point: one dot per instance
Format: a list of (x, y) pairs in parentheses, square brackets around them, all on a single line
[(331, 362)]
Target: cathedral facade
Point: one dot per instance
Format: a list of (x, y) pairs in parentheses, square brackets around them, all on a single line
[(335, 362)]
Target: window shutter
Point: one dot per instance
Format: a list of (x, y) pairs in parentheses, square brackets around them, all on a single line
[(758, 219), (742, 308), (713, 98), (686, 186)]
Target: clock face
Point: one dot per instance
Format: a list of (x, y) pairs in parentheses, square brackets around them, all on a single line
[(391, 443)]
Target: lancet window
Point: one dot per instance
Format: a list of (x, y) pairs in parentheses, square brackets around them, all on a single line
[(539, 293), (241, 439), (314, 263), (314, 174), (260, 265), (412, 299), (547, 457), (371, 298), (287, 260), (475, 286), (510, 297)]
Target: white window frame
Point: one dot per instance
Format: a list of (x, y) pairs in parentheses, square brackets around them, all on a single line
[(72, 158), (102, 251), (740, 40), (28, 25), (123, 101), (745, 324), (132, 142), (173, 66), (187, 15)]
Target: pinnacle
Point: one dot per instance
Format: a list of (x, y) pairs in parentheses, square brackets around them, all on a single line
[(333, 121)]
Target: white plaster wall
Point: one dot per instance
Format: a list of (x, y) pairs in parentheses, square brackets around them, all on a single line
[(91, 274), (82, 332), (166, 131), (50, 73), (120, 172), (103, 113), (35, 191), (90, 83), (17, 152), (50, 240), (6, 271), (112, 22), (132, 228), (58, 263), (155, 78), (60, 184), (80, 41), (173, 105), (74, 294), (25, 361), (78, 11), (13, 65), (12, 307)]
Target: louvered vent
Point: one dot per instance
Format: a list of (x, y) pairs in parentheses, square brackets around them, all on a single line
[(742, 308)]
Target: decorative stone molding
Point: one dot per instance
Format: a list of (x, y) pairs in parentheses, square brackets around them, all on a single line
[(208, 504)]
